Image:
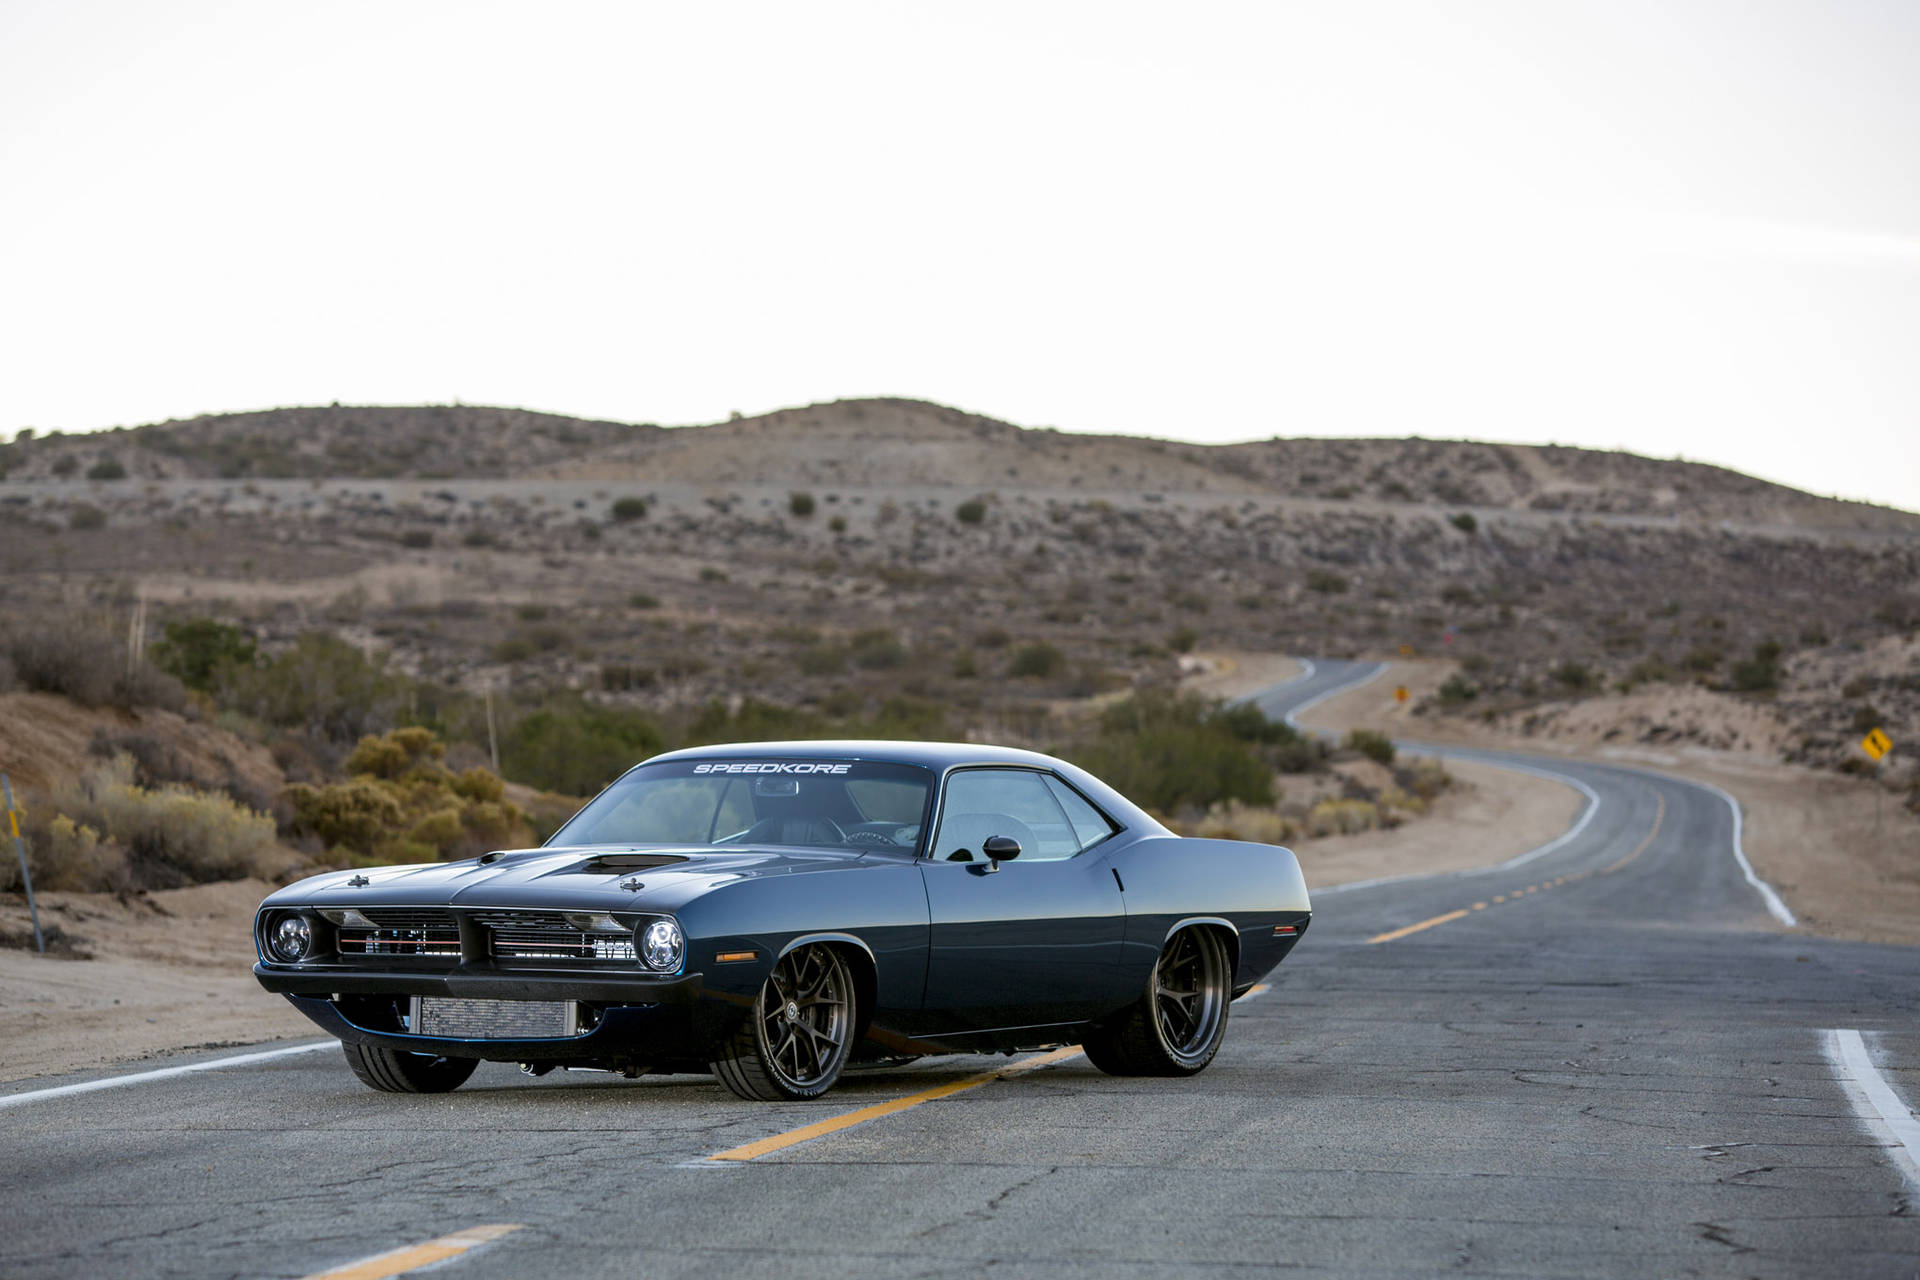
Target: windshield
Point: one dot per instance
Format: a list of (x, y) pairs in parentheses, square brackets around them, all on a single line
[(851, 804)]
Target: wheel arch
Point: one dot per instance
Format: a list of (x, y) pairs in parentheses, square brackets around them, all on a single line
[(860, 962), (1219, 924)]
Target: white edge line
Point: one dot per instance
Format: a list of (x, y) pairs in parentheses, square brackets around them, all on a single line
[(142, 1077), (1767, 895), (1879, 1108), (1292, 718)]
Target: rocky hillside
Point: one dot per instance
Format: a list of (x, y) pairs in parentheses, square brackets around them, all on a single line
[(905, 443), (840, 556)]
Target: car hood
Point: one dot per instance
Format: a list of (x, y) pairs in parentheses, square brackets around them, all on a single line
[(587, 877)]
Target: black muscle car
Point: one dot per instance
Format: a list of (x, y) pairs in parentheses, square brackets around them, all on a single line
[(770, 912)]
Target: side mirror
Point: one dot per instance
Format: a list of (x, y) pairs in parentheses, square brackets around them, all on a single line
[(1000, 848)]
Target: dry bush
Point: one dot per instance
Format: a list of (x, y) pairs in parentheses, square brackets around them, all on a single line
[(1339, 817), (106, 833), (1233, 820), (402, 804)]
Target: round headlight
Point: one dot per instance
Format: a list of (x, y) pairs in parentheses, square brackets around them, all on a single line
[(662, 945), (290, 939)]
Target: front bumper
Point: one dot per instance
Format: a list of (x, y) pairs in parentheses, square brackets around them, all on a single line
[(645, 1020)]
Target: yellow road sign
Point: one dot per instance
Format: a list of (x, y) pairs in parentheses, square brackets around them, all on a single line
[(1400, 693), (1876, 743), (13, 817), (1406, 651)]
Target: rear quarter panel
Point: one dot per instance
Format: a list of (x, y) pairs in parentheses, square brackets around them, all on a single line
[(1253, 887)]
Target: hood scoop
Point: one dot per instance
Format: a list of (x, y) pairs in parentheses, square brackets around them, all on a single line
[(622, 863)]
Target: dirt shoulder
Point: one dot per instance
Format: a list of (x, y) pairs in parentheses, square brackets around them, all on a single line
[(169, 972), (1813, 835)]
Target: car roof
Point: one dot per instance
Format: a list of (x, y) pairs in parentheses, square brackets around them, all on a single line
[(933, 755)]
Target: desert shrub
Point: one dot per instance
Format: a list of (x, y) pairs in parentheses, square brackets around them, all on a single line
[(359, 815), (965, 665), (641, 600), (67, 655), (171, 835), (513, 649), (877, 650), (800, 504), (1464, 522), (1326, 582), (1249, 723), (1761, 672), (993, 638), (477, 537), (322, 685), (84, 515), (1174, 752), (1702, 658), (107, 469), (531, 612), (821, 660), (1036, 661), (400, 802), (416, 539), (394, 755), (710, 574), (1575, 677), (1179, 768), (838, 524), (1455, 593), (9, 678), (628, 509), (1457, 691), (1866, 718), (1648, 671), (1377, 747), (1232, 820), (65, 465), (197, 650), (576, 748), (1342, 817), (624, 677), (972, 511), (1183, 640)]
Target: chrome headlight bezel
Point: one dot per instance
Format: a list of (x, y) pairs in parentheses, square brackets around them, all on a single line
[(288, 937), (660, 944)]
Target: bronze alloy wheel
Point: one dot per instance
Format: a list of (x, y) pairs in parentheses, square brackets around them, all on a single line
[(1190, 997), (1177, 1024), (797, 1036)]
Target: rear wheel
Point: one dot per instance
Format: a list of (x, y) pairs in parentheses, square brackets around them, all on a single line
[(392, 1071), (1176, 1026), (796, 1038)]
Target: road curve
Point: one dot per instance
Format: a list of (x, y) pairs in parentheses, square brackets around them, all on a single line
[(1608, 1060)]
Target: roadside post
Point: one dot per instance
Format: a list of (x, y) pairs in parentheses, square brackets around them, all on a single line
[(1876, 744), (26, 877)]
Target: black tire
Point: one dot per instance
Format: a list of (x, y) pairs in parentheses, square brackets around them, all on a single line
[(796, 1038), (1177, 1024), (392, 1071)]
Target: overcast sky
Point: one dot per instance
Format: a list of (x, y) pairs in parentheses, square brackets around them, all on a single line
[(1678, 228)]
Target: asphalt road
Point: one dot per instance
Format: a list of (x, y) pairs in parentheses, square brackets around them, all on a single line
[(1613, 1061)]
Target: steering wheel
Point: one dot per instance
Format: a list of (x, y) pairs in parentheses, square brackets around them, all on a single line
[(807, 830)]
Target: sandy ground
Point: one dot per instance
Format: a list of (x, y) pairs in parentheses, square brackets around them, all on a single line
[(1813, 835), (171, 972)]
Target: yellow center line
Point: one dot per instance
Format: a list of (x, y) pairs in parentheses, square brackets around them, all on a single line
[(806, 1133), (414, 1256), (1659, 815), (1415, 928)]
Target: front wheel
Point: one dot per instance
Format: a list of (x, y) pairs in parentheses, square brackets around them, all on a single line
[(796, 1038), (392, 1071), (1176, 1026)]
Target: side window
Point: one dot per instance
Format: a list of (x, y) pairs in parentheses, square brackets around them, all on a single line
[(1003, 802), (1090, 826)]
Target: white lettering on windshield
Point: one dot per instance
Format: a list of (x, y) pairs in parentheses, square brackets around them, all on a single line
[(772, 766)]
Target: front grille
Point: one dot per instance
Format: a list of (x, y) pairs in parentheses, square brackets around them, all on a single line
[(402, 931), (549, 935)]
